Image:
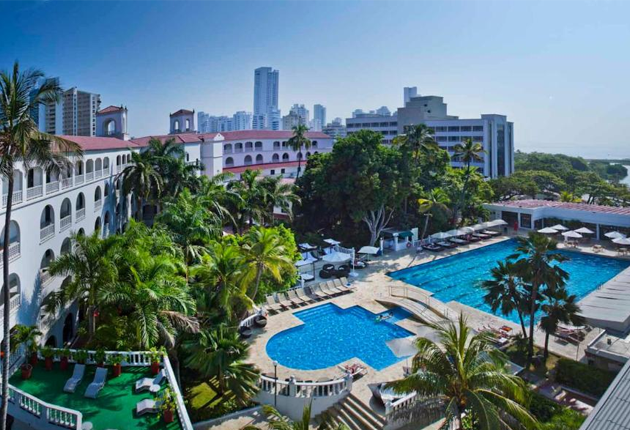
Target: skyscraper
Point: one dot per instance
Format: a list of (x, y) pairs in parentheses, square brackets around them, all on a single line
[(319, 117), (409, 92), (242, 120), (73, 115), (266, 86)]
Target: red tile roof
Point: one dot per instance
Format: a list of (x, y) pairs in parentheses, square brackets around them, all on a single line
[(532, 204), (110, 109), (89, 143), (182, 111), (179, 138), (241, 169)]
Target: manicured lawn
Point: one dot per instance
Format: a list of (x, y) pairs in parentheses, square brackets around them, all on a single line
[(115, 406), (204, 403)]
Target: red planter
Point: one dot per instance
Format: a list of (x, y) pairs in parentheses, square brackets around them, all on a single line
[(117, 370), (168, 416), (64, 363), (48, 363), (34, 359), (101, 364), (155, 367), (27, 371)]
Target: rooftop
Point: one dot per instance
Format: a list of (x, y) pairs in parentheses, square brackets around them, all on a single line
[(533, 204), (110, 109), (241, 169), (113, 408), (613, 410), (183, 112)]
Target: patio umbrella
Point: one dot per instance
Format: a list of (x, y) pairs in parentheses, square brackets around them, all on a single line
[(467, 230), (559, 227), (455, 232), (585, 230), (615, 235), (622, 241), (440, 235), (481, 226), (496, 223), (572, 235), (548, 230), (403, 346), (370, 250), (332, 242), (336, 257)]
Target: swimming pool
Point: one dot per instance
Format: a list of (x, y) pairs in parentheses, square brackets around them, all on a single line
[(459, 277), (331, 335)]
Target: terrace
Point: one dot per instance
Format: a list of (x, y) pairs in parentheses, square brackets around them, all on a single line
[(42, 403)]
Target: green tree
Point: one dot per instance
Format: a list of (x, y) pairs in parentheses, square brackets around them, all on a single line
[(537, 261), (503, 291), (468, 152), (469, 374), (220, 355), (435, 202), (246, 200), (559, 308), (141, 178), (277, 194), (416, 140), (91, 271), (277, 421), (26, 335), (298, 142), (21, 141)]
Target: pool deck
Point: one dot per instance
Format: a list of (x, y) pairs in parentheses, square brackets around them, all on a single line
[(373, 283)]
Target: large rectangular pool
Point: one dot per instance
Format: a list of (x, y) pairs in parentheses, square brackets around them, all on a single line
[(459, 277)]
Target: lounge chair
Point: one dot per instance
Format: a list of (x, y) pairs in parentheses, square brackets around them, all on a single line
[(97, 385), (75, 379), (333, 287), (355, 370), (272, 305), (307, 277), (147, 406), (458, 241), (481, 236), (331, 293), (342, 284), (432, 247), (472, 238), (316, 291), (151, 384), (292, 295), (301, 293), (491, 232), (447, 245)]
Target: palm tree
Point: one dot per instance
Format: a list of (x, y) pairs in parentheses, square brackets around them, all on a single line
[(20, 140), (559, 308), (265, 254), (277, 421), (503, 291), (26, 335), (536, 262), (92, 271), (142, 179), (298, 142), (468, 152), (246, 200), (436, 201), (469, 374), (417, 138), (278, 194), (220, 355)]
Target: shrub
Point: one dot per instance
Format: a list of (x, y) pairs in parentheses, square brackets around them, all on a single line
[(565, 419), (583, 377), (542, 408)]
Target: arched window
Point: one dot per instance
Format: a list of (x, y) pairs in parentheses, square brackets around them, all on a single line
[(80, 201), (97, 198), (89, 166), (110, 126), (284, 144), (227, 148), (259, 159), (97, 224), (66, 246), (314, 144), (299, 155), (106, 164), (276, 145), (118, 160), (81, 232), (229, 162), (248, 160), (106, 193), (249, 146), (65, 214), (34, 183), (78, 168), (258, 146), (44, 275), (238, 147), (275, 157), (176, 126), (106, 226), (14, 240), (128, 158), (98, 165), (285, 157), (308, 154), (187, 125), (15, 288), (48, 217)]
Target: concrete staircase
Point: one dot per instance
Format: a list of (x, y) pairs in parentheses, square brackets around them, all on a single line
[(353, 413)]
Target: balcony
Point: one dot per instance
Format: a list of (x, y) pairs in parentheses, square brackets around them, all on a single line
[(99, 173), (45, 277), (66, 183), (89, 176), (46, 232), (14, 253), (65, 223), (79, 179), (52, 187), (17, 198), (80, 214), (34, 192), (97, 205)]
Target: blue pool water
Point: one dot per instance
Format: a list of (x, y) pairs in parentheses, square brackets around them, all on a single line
[(331, 335), (459, 277)]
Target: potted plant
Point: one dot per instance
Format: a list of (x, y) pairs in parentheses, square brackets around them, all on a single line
[(167, 406), (65, 356), (156, 358), (48, 353), (27, 336), (80, 356), (27, 371), (115, 361), (99, 357)]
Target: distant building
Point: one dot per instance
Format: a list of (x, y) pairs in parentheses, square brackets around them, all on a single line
[(335, 129), (73, 115), (357, 112), (319, 117), (383, 110), (293, 119), (182, 121), (408, 93), (242, 121), (266, 91), (301, 111)]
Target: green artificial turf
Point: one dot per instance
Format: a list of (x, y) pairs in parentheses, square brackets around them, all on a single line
[(115, 406)]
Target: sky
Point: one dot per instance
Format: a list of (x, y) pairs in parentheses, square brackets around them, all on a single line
[(558, 69)]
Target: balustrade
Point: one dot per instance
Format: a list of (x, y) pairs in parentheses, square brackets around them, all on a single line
[(34, 192), (52, 187), (47, 232)]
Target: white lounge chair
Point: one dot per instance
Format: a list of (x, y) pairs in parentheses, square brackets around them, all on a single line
[(75, 379), (97, 385), (272, 305), (147, 406), (150, 384)]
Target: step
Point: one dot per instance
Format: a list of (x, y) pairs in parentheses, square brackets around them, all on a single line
[(366, 411), (345, 417)]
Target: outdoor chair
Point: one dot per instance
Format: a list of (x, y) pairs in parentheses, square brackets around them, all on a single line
[(75, 379), (97, 385), (147, 406), (151, 384), (301, 293)]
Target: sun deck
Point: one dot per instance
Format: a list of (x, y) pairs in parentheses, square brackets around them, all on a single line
[(115, 406)]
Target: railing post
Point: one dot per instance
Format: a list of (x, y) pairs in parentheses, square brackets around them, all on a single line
[(292, 386), (348, 379)]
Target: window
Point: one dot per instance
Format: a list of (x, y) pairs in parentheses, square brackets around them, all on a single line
[(259, 159), (477, 128), (453, 138), (314, 144), (466, 128), (258, 146), (453, 129), (440, 129), (227, 148), (276, 145), (275, 157), (282, 171), (229, 161), (285, 157), (272, 171), (248, 160)]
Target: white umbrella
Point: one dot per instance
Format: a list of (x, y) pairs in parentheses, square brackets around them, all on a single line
[(403, 346), (572, 235), (440, 235), (496, 223), (559, 227), (467, 230), (622, 241), (615, 235), (478, 227), (336, 257), (455, 232), (332, 242), (548, 230), (370, 250), (585, 230)]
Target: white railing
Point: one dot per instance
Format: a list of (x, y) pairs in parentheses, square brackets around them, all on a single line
[(98, 173), (105, 171), (47, 413), (47, 232), (34, 192), (52, 187), (66, 183), (80, 214), (293, 388), (98, 204), (14, 252), (251, 320), (89, 176), (17, 198), (119, 168), (45, 277), (65, 222), (15, 302), (401, 403), (79, 179), (184, 419)]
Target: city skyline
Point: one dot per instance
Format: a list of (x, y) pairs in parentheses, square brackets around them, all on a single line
[(551, 67)]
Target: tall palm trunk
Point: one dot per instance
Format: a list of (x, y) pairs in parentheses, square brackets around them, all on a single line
[(463, 197), (520, 317), (91, 321), (546, 353), (532, 311), (6, 288), (299, 165), (259, 271), (426, 226)]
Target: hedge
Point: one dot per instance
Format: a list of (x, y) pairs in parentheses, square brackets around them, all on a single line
[(583, 377)]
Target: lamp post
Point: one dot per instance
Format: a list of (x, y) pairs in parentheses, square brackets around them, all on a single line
[(275, 390)]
